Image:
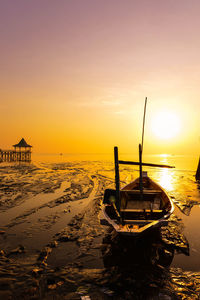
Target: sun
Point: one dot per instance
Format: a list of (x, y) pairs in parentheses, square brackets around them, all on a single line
[(166, 125)]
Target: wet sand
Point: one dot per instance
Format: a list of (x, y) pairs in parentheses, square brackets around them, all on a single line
[(52, 245)]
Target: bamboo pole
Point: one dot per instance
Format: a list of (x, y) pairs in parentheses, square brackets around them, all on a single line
[(117, 184), (124, 162), (145, 105), (140, 161)]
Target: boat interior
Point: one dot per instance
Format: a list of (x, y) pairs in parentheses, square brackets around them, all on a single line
[(134, 208), (150, 199), (150, 206)]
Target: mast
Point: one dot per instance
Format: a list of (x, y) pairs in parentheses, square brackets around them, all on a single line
[(140, 162), (141, 150), (117, 184), (145, 105)]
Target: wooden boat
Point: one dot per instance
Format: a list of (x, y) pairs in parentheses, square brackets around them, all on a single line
[(136, 214), (140, 205)]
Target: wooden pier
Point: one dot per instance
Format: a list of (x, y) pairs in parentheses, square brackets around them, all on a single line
[(21, 152), (11, 155)]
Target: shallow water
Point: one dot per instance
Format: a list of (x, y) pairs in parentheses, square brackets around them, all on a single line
[(184, 190), (58, 201), (31, 203), (192, 233)]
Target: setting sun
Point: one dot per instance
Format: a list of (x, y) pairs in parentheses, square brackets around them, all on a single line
[(166, 125)]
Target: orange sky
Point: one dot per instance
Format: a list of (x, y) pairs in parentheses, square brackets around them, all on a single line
[(74, 74)]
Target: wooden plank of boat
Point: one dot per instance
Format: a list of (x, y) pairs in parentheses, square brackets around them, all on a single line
[(141, 210), (138, 191), (133, 227)]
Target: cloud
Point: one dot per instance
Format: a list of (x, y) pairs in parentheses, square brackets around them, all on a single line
[(120, 112), (100, 102), (111, 102), (114, 100)]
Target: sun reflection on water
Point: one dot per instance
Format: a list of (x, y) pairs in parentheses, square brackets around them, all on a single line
[(165, 178)]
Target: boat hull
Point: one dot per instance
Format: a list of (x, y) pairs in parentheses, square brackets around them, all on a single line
[(137, 216)]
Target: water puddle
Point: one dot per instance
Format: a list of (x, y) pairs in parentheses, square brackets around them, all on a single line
[(31, 203), (192, 233), (36, 228)]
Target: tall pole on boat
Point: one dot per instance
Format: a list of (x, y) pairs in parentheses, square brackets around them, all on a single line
[(145, 105), (140, 161), (141, 150), (117, 185)]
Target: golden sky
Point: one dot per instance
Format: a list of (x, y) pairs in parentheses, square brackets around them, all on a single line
[(74, 74)]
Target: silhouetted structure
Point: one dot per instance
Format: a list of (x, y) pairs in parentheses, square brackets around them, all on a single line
[(21, 152), (198, 171)]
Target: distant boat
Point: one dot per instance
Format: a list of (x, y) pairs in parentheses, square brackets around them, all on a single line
[(138, 206)]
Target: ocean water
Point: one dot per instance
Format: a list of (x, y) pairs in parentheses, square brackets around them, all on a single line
[(181, 162)]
